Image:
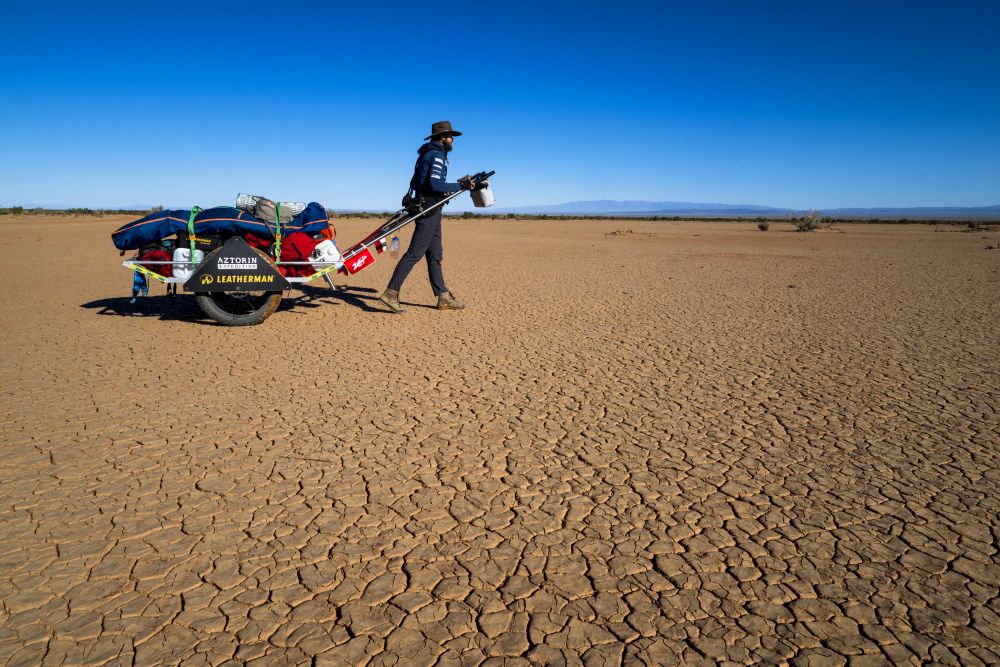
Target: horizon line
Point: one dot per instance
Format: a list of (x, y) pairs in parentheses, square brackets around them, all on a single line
[(694, 207)]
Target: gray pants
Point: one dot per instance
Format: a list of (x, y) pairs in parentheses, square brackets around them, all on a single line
[(426, 242)]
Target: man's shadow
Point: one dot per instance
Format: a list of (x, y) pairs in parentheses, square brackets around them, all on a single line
[(361, 297), (308, 296)]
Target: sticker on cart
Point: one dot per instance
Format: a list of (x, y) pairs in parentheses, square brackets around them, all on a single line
[(236, 267), (359, 261)]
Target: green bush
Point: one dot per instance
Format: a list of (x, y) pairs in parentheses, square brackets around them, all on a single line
[(809, 222)]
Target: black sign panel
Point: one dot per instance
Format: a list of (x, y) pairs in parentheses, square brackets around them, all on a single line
[(236, 267)]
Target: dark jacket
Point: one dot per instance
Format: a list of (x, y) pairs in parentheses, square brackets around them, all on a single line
[(430, 173)]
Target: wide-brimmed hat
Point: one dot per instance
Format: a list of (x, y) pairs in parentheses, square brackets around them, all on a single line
[(441, 128)]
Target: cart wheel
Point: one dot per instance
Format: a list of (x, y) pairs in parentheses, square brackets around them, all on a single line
[(238, 309)]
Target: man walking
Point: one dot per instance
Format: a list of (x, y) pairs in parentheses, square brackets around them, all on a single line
[(429, 185)]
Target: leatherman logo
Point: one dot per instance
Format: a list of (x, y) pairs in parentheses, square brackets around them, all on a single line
[(207, 280)]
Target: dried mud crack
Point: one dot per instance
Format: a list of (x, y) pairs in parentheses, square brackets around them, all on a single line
[(627, 450)]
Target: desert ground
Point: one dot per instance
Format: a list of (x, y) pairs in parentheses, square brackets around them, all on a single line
[(642, 442)]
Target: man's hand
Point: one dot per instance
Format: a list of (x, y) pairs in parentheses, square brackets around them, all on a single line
[(466, 182)]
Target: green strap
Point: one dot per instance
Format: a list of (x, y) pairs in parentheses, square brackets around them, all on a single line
[(195, 210), (277, 232)]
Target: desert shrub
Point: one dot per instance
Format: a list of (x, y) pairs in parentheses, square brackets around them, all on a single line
[(763, 225), (156, 209), (809, 222)]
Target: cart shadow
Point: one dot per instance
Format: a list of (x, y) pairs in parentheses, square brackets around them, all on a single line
[(185, 308), (161, 306)]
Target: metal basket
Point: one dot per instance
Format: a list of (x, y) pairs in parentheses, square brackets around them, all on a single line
[(289, 209)]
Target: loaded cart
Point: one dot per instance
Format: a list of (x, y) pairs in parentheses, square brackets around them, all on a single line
[(237, 261)]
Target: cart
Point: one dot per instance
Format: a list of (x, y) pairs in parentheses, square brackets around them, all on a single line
[(240, 285)]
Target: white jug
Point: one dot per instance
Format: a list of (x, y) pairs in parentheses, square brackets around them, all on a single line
[(185, 271), (326, 251), (482, 197)]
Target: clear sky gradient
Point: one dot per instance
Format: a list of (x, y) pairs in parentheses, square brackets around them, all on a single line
[(783, 103)]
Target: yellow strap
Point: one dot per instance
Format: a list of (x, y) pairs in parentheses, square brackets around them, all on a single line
[(146, 272), (322, 272)]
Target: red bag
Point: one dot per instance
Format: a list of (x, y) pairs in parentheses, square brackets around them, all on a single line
[(165, 270), (296, 247), (258, 242)]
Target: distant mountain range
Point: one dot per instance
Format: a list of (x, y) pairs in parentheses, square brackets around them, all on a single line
[(633, 208), (699, 209)]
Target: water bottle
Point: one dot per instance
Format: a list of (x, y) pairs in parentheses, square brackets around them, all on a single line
[(394, 245), (139, 285)]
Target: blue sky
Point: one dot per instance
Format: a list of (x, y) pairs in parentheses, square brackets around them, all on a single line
[(806, 105)]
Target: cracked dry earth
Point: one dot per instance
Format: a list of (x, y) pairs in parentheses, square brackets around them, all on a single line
[(631, 448)]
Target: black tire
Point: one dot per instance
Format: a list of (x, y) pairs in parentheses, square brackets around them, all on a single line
[(238, 309)]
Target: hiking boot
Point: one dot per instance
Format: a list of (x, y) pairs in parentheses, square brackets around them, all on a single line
[(447, 301), (391, 299)]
